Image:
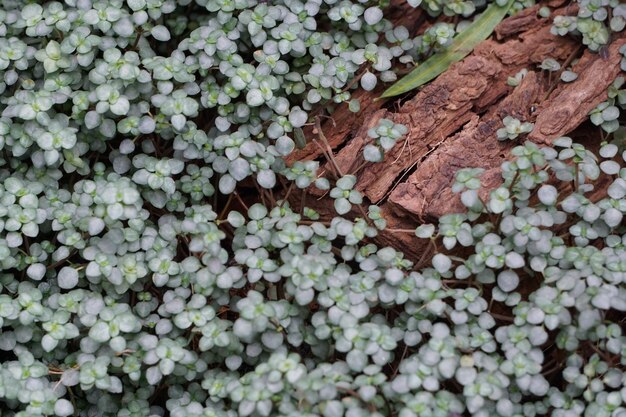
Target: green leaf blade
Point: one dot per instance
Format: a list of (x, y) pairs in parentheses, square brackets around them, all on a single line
[(463, 44)]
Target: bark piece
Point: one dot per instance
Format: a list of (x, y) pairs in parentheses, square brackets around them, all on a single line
[(569, 105), (446, 104), (521, 22), (427, 193)]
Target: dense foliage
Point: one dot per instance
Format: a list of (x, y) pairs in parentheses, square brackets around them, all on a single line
[(135, 281)]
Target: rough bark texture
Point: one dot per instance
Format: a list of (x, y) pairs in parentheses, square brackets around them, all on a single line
[(442, 107), (523, 21), (427, 192), (453, 121), (569, 105)]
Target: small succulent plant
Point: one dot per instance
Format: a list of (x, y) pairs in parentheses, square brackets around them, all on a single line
[(136, 282), (513, 128)]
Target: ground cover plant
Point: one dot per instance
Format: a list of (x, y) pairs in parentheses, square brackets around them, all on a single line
[(155, 261)]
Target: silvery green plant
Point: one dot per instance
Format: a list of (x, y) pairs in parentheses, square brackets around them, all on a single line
[(438, 36), (384, 135), (596, 21), (606, 114), (137, 278), (344, 194), (513, 128)]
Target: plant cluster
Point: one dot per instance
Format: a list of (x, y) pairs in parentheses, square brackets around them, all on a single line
[(513, 128), (595, 22), (607, 113), (384, 135), (136, 281)]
